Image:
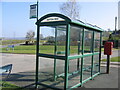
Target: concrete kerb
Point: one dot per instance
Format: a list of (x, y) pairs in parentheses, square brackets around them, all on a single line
[(112, 63)]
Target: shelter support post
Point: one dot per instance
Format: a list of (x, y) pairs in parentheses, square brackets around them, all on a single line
[(55, 53), (78, 61), (92, 62), (81, 74), (67, 54), (100, 50)]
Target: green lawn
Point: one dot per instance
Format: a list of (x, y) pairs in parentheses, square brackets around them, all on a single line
[(47, 49), (9, 86), (31, 49), (113, 59), (9, 42), (20, 49)]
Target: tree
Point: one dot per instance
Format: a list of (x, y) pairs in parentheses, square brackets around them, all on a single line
[(30, 35), (71, 9), (41, 36)]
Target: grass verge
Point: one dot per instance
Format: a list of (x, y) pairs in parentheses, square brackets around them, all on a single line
[(11, 42), (47, 49), (8, 86), (113, 59)]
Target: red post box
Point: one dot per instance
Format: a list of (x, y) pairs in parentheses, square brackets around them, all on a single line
[(108, 48)]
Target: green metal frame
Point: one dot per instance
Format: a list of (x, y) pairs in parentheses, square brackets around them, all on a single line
[(92, 64), (81, 74), (55, 53), (68, 22), (78, 61)]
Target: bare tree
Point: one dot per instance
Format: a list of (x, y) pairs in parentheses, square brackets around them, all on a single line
[(30, 35), (71, 9), (41, 36)]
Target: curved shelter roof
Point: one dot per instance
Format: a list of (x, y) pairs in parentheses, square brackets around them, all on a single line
[(53, 19)]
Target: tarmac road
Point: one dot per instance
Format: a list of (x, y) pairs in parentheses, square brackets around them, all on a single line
[(26, 62), (23, 63)]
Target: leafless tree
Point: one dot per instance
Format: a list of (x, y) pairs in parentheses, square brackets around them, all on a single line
[(41, 36), (71, 9), (30, 35)]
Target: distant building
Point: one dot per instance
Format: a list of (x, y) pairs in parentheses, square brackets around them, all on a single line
[(119, 15)]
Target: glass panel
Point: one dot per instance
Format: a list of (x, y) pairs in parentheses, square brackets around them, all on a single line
[(47, 40), (96, 64), (74, 71), (61, 39), (87, 67), (88, 41), (97, 42), (51, 36), (75, 40)]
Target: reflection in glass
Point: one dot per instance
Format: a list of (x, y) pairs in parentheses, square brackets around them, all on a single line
[(88, 41), (75, 40), (96, 42)]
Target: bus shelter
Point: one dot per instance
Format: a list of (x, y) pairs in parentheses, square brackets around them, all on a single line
[(75, 43)]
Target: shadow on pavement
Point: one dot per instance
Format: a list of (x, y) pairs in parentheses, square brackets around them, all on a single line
[(27, 79)]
